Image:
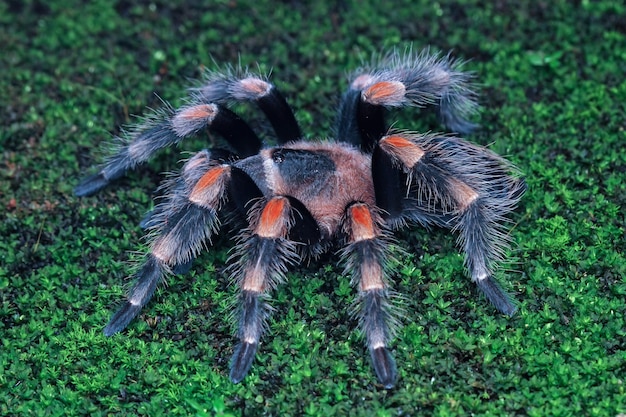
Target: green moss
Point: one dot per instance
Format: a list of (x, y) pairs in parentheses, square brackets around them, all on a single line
[(552, 86)]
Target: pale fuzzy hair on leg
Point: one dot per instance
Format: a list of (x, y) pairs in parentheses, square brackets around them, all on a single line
[(407, 78)]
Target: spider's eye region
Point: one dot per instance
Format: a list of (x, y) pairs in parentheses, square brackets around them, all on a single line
[(278, 156)]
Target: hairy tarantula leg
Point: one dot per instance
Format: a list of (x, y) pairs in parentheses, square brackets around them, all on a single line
[(482, 241), (179, 186), (360, 123), (168, 127), (182, 224), (401, 80), (263, 258), (366, 255), (221, 88), (391, 191), (474, 184), (389, 184), (199, 115)]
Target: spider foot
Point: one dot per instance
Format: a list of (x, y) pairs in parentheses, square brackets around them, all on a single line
[(496, 295), (147, 279), (148, 220), (121, 319), (242, 361), (384, 366)]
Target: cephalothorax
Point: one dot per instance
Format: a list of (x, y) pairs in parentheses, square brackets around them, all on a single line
[(296, 199)]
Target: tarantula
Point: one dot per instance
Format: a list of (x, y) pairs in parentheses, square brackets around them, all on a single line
[(297, 199)]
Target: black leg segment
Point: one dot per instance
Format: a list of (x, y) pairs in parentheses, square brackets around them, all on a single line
[(252, 315), (304, 228), (360, 123), (371, 120), (280, 115), (242, 191), (236, 132), (347, 125), (390, 184)]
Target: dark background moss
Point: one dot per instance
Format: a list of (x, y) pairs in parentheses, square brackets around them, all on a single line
[(553, 91)]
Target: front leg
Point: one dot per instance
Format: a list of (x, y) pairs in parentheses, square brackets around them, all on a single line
[(263, 256), (367, 255)]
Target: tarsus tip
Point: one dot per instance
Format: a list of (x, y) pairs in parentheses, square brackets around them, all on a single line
[(384, 366), (91, 185), (242, 361)]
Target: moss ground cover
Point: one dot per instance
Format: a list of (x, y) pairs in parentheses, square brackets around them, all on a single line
[(551, 77)]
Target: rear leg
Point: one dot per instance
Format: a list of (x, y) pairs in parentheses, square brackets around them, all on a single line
[(168, 127), (472, 186)]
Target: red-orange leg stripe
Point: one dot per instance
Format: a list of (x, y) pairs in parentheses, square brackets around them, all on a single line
[(397, 141), (255, 86), (208, 190), (385, 93), (403, 149), (362, 223), (273, 219), (208, 179)]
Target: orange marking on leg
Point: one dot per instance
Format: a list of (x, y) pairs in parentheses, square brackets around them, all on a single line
[(385, 93), (254, 279), (362, 223), (203, 192), (403, 149), (255, 86), (193, 118), (273, 221), (208, 179), (371, 276), (201, 111), (398, 141), (463, 194)]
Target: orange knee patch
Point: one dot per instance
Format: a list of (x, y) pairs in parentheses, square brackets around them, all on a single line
[(403, 149), (209, 178), (363, 227), (255, 86), (201, 111), (193, 118), (385, 93), (208, 190), (274, 218)]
